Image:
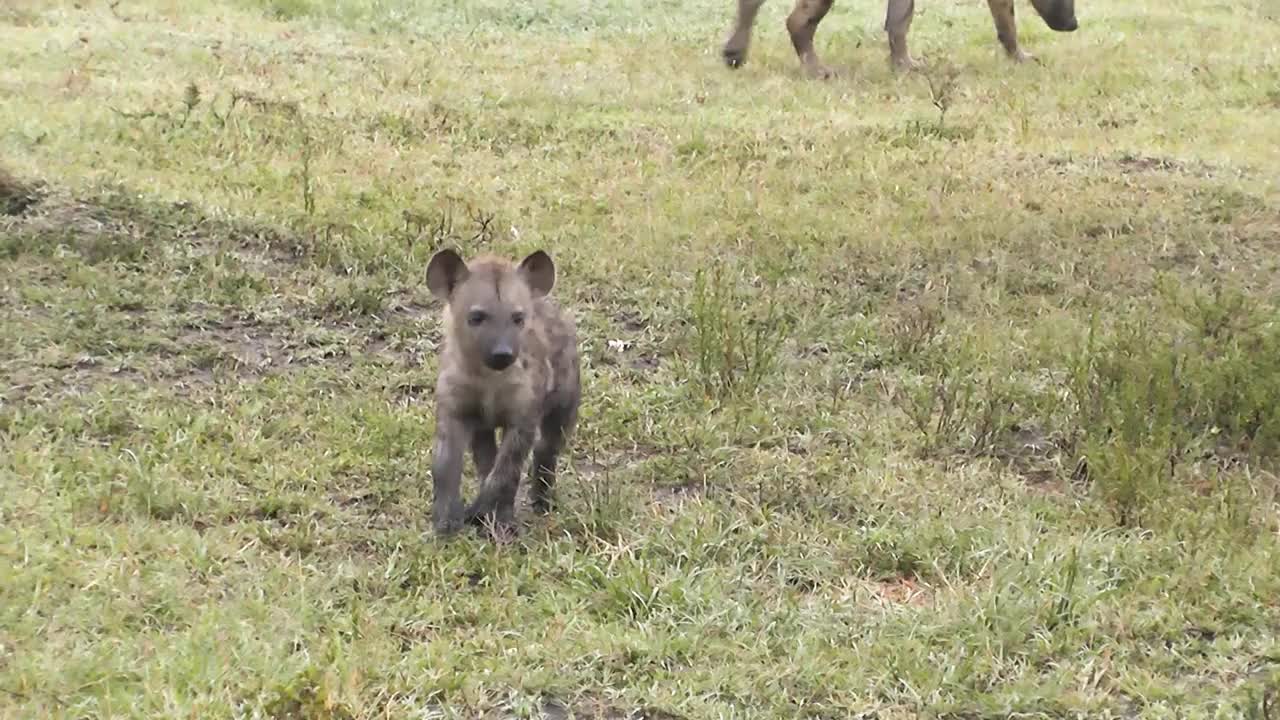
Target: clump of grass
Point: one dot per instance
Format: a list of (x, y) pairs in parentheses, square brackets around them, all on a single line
[(354, 297), (287, 9), (317, 691), (944, 81), (1261, 699), (737, 333), (957, 397), (1151, 412), (958, 405), (915, 330), (595, 509), (1148, 400)]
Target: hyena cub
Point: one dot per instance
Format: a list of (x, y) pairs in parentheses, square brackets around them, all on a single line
[(510, 361)]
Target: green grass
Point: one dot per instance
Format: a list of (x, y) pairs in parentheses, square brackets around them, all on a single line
[(888, 413)]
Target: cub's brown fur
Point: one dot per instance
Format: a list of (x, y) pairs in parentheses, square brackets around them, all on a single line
[(802, 23), (510, 361)]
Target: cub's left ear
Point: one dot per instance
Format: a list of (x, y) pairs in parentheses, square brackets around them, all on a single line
[(539, 272)]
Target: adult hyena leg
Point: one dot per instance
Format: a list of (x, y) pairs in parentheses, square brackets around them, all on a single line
[(1007, 28), (897, 22), (735, 48), (802, 23)]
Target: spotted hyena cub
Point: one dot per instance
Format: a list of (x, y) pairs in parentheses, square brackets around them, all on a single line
[(510, 361)]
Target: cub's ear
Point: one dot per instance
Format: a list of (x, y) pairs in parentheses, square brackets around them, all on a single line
[(539, 272), (445, 272)]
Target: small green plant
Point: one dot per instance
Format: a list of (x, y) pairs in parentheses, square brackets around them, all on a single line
[(355, 297), (173, 119), (954, 408), (914, 331), (190, 100), (305, 180), (595, 509), (955, 401), (1261, 700), (1064, 607), (1147, 401), (287, 9), (943, 79), (737, 336), (1126, 397)]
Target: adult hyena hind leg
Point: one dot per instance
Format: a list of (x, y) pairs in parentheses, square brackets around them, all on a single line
[(802, 23), (556, 426), (735, 48), (897, 22), (1007, 29)]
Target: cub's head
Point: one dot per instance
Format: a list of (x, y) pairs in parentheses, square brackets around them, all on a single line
[(489, 303)]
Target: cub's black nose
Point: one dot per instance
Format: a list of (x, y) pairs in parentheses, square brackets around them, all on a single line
[(499, 360)]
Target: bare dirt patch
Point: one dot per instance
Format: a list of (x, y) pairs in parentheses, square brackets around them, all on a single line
[(115, 225), (191, 356), (902, 591), (64, 379), (251, 348), (1031, 453), (674, 496), (1135, 163), (129, 269)]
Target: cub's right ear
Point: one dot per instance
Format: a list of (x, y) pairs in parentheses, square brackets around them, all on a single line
[(444, 273)]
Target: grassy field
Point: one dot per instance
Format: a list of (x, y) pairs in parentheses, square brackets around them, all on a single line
[(893, 409)]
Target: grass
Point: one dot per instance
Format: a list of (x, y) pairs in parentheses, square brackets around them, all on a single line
[(944, 395)]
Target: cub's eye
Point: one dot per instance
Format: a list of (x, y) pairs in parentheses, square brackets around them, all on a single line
[(517, 318), (476, 317)]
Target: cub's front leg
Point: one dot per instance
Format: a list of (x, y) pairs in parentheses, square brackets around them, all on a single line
[(446, 475), (495, 503)]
